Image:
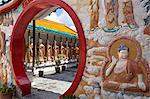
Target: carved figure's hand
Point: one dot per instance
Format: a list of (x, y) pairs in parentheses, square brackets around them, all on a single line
[(142, 86), (114, 60), (123, 86)]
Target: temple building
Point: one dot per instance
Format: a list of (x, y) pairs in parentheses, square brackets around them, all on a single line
[(52, 42)]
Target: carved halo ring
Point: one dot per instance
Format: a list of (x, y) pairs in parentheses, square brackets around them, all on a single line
[(135, 51)]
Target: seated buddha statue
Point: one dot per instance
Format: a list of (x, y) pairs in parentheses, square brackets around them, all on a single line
[(124, 74)]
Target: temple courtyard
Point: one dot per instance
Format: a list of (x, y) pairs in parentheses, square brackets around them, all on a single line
[(50, 86)]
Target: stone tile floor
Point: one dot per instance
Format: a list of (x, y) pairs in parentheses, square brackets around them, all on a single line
[(50, 86)]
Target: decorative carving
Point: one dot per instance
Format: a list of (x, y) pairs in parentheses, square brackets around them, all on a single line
[(111, 13), (112, 7), (126, 70), (92, 43), (147, 29), (7, 19), (1, 19), (128, 12), (94, 13)]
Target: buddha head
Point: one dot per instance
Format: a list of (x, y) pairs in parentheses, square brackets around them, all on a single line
[(123, 51)]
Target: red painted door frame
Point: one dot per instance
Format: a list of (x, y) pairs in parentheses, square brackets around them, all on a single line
[(17, 43)]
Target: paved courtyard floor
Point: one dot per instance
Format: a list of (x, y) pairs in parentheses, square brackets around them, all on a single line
[(51, 86)]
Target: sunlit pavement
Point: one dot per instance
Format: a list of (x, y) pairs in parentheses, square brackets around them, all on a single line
[(51, 86)]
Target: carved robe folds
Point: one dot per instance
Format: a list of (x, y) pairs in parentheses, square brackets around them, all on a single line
[(112, 14), (94, 13), (128, 12), (128, 76)]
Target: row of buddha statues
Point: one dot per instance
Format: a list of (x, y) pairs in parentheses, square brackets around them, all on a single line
[(50, 52), (112, 13)]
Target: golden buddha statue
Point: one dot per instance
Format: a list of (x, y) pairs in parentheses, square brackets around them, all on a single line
[(124, 74)]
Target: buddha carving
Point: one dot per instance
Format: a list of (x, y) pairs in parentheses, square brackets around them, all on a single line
[(124, 73), (111, 13), (128, 13), (94, 13)]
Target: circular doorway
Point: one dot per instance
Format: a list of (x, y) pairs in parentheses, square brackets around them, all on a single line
[(17, 43)]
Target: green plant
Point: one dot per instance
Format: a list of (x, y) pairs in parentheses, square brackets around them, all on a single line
[(5, 89)]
